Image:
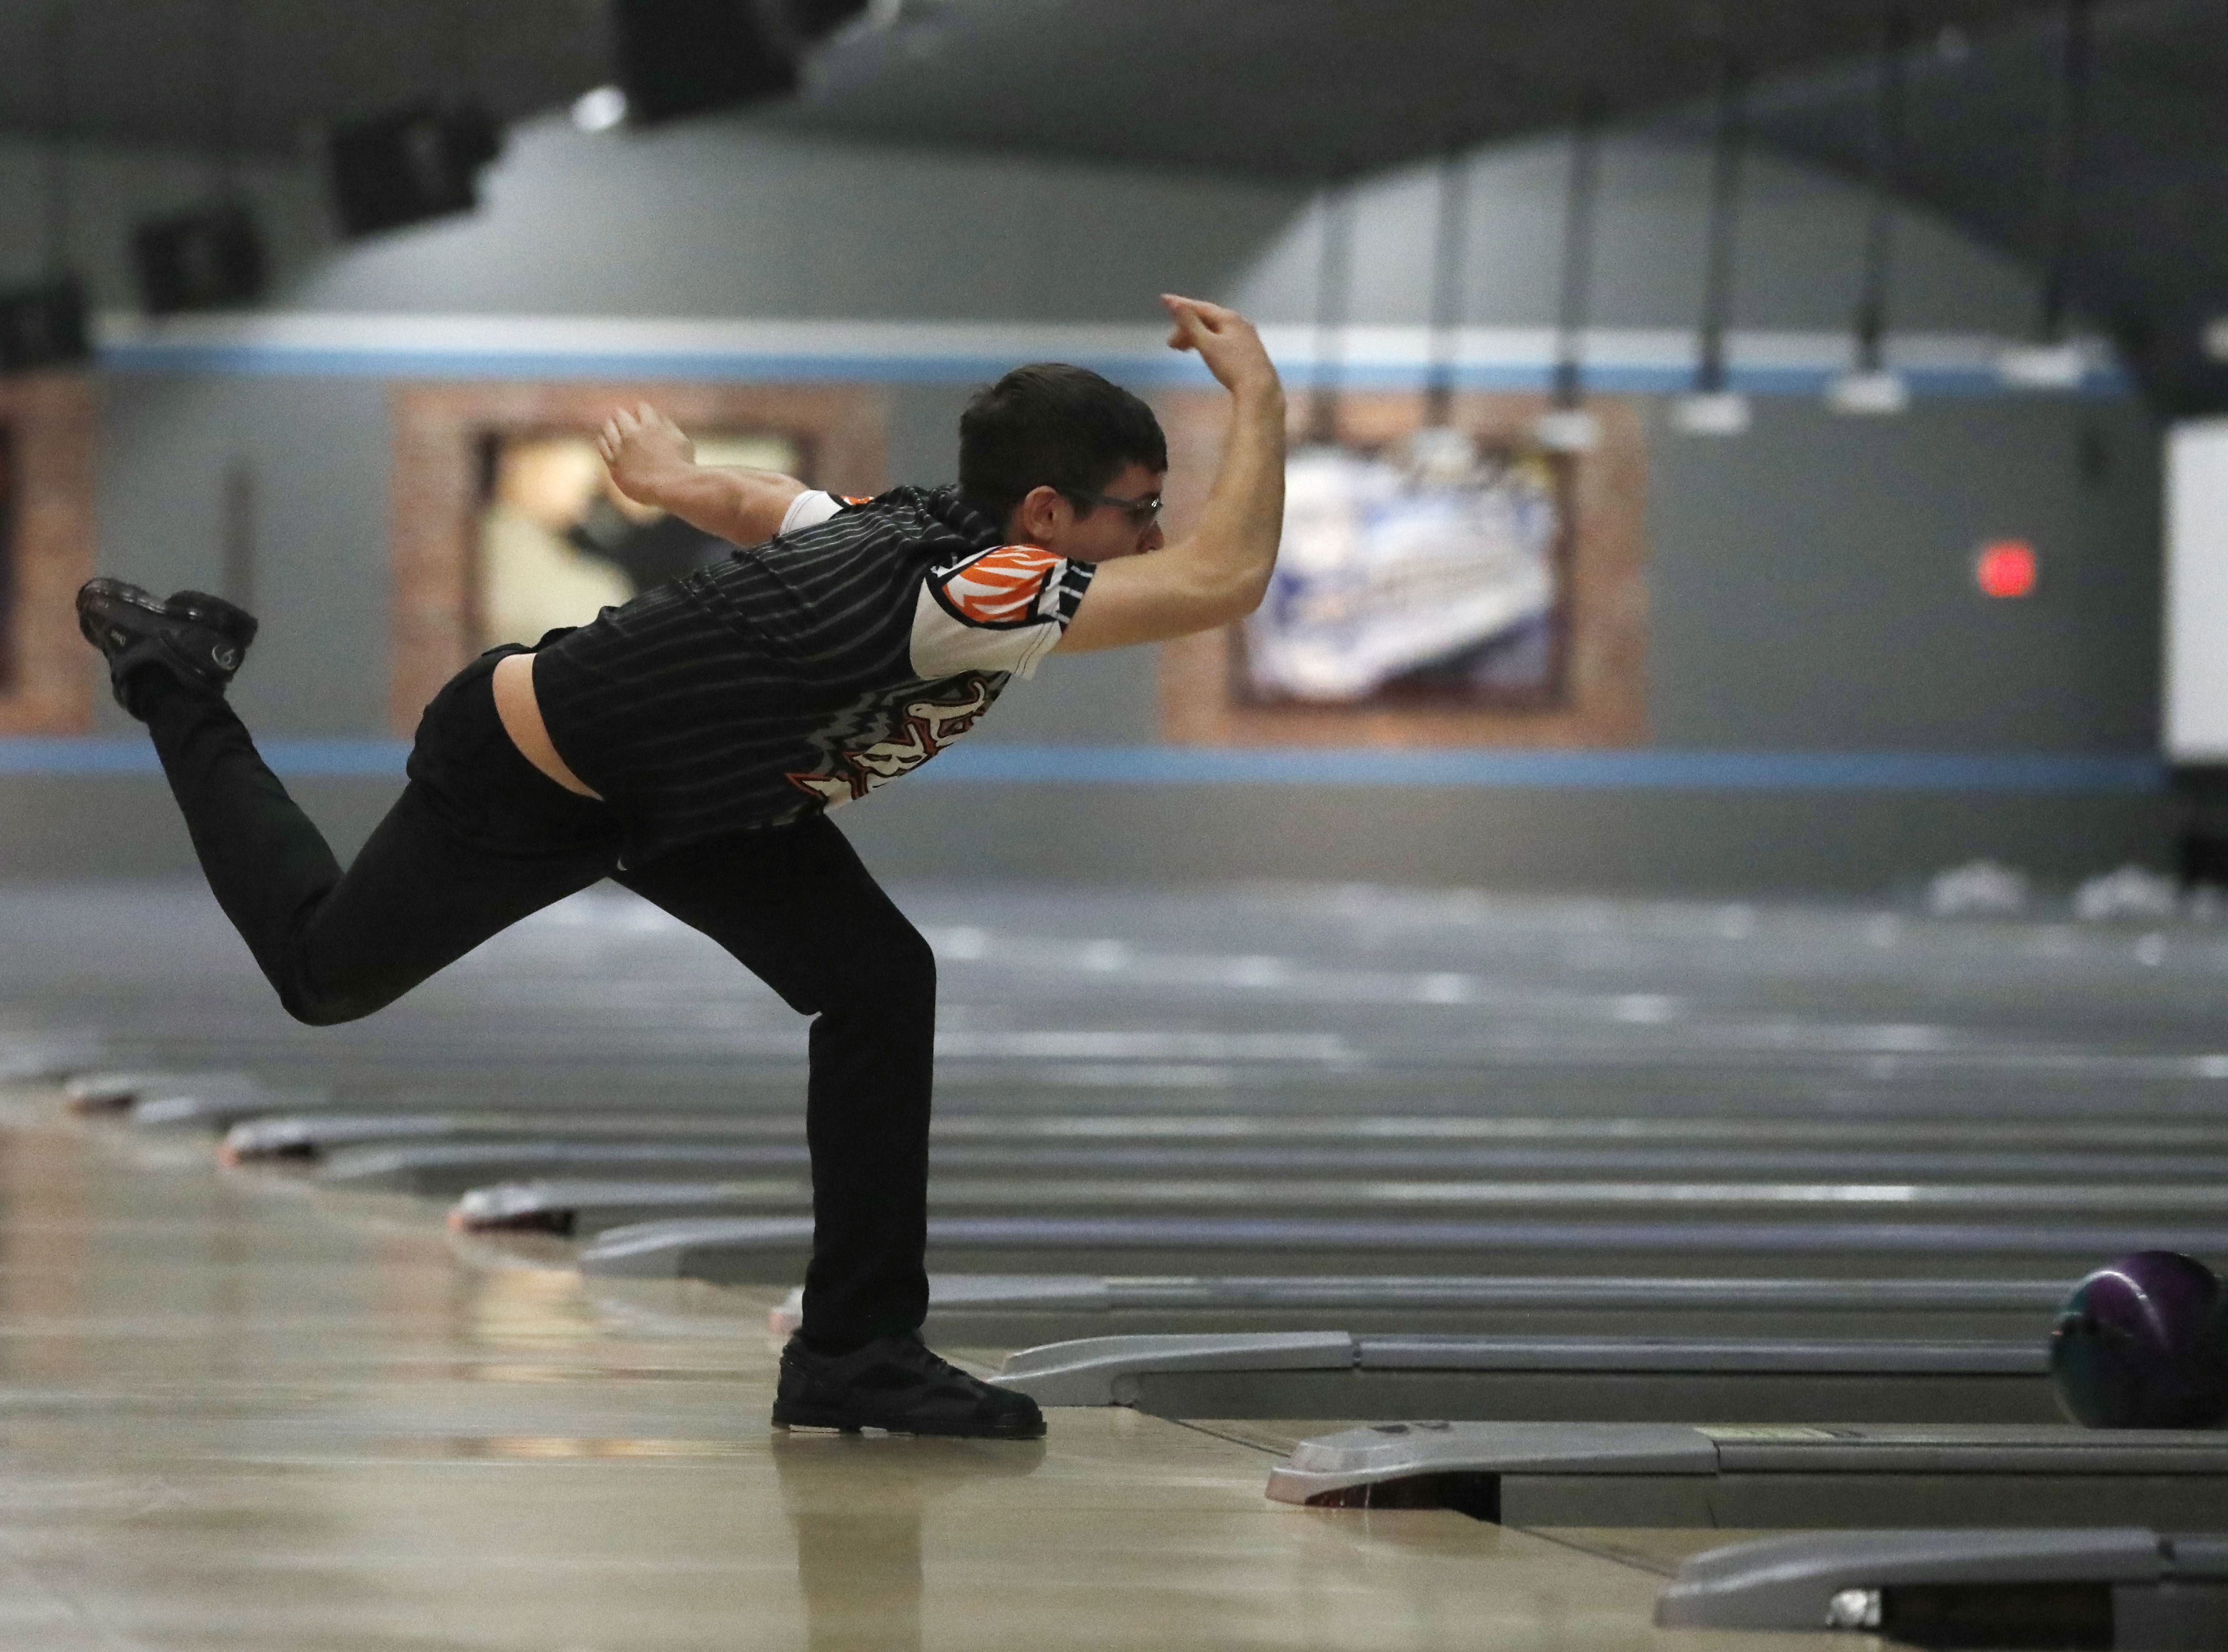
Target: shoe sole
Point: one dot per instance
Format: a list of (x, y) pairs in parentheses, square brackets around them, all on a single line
[(228, 619), (785, 1417), (98, 601), (119, 619)]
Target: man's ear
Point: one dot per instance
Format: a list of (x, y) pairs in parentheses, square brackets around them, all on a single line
[(1043, 512)]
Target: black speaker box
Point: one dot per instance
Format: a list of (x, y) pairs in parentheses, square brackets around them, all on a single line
[(815, 20), (685, 57), (419, 162), (43, 325), (207, 259)]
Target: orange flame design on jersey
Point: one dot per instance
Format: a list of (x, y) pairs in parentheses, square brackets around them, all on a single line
[(1001, 587)]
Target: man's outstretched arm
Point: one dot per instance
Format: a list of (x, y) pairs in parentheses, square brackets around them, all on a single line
[(653, 463), (1218, 572)]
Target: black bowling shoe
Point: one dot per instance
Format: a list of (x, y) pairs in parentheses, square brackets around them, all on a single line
[(197, 638), (895, 1383)]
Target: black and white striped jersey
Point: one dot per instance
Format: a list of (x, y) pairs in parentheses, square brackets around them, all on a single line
[(798, 675)]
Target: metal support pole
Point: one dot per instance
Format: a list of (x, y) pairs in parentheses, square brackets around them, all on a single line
[(1333, 278), (1888, 122), (1580, 201), (1450, 261), (2061, 187), (1728, 153), (57, 202)]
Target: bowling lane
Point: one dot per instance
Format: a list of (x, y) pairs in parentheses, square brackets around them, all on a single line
[(1268, 1083), (1245, 1001), (245, 1420)]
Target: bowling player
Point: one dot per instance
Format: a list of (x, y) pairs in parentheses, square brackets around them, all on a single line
[(690, 744)]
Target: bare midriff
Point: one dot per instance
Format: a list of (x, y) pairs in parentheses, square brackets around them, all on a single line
[(522, 719)]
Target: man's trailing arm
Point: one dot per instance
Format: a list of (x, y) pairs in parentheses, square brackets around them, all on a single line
[(653, 463)]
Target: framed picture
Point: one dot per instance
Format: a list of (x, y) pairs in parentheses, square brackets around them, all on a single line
[(1441, 585), (556, 540), (47, 677), (1432, 572), (506, 524)]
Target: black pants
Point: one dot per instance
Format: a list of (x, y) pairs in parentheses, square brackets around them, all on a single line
[(480, 838)]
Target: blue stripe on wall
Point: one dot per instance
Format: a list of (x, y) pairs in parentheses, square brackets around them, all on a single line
[(130, 755), (1406, 767), (1651, 771), (1610, 378)]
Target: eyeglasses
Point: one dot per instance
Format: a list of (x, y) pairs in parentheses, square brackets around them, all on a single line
[(1141, 513)]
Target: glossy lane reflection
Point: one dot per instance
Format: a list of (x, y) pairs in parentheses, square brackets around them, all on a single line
[(856, 1506)]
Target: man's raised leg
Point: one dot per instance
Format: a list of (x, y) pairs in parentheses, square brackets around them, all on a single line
[(478, 841)]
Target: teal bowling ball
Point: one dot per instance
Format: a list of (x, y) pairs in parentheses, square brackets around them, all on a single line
[(2143, 1342)]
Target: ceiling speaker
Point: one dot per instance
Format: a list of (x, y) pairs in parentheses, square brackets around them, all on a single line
[(43, 325), (209, 259), (815, 20), (686, 57), (419, 162)]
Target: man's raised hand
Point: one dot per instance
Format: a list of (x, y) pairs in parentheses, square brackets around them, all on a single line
[(1226, 341), (644, 449)]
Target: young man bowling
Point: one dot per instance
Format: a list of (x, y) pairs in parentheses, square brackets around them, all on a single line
[(688, 747)]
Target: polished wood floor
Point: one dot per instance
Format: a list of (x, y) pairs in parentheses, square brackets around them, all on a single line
[(248, 1410), (237, 1415)]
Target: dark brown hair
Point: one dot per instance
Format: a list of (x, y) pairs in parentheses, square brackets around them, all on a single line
[(1049, 425)]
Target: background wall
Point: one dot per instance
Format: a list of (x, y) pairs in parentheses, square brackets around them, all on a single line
[(1810, 583), (1796, 264)]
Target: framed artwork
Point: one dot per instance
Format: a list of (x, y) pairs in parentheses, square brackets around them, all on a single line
[(47, 677), (555, 540), (1432, 572), (505, 524), (1453, 585)]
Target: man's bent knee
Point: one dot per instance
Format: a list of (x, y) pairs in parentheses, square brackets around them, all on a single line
[(323, 1011), (889, 969), (316, 1005)]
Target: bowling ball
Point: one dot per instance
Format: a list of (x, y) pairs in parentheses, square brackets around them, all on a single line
[(2143, 1342)]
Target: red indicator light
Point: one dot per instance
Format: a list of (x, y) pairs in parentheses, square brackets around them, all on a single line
[(2006, 568)]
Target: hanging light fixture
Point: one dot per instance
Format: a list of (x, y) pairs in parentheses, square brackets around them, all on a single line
[(599, 109), (1568, 427), (674, 58), (1714, 408), (210, 257), (420, 160), (1874, 389), (2052, 362), (43, 323)]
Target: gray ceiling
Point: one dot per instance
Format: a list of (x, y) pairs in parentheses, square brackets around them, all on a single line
[(1323, 87), (1296, 88), (2150, 255), (149, 70), (1293, 87)]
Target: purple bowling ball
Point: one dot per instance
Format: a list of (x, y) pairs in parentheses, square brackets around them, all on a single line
[(2143, 1342)]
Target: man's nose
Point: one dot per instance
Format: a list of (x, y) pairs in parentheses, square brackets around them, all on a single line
[(1154, 539)]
